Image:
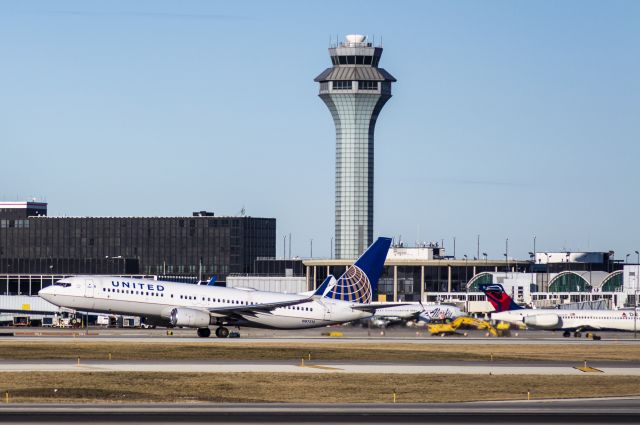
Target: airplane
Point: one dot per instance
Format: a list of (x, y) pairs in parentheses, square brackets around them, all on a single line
[(389, 313), (556, 319), (341, 300)]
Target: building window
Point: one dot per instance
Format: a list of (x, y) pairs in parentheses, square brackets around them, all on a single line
[(342, 85), (368, 85)]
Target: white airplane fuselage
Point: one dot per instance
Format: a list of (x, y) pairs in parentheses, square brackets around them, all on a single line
[(157, 299), (621, 320)]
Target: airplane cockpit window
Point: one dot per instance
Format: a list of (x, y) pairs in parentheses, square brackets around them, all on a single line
[(63, 284)]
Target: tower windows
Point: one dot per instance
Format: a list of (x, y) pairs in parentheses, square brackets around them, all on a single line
[(342, 85), (368, 85)]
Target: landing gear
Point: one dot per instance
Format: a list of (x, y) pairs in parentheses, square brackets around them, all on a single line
[(204, 332), (222, 332), (577, 334), (566, 334)]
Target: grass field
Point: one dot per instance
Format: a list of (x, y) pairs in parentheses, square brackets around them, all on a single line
[(86, 387), (34, 350)]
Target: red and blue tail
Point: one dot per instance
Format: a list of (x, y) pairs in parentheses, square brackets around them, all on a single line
[(498, 298)]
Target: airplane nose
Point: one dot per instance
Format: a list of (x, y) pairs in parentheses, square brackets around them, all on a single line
[(46, 292)]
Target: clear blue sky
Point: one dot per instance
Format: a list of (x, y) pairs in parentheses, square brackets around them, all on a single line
[(509, 119)]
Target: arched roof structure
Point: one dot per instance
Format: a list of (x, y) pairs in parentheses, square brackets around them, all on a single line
[(479, 279), (613, 282), (572, 281)]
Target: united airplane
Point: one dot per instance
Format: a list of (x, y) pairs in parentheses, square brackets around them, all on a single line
[(339, 300), (556, 319)]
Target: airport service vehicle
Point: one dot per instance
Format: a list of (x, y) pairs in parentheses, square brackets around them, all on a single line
[(336, 301), (555, 319), (450, 328), (389, 313)]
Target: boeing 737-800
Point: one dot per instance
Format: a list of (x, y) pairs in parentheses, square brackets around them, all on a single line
[(555, 319), (339, 300)]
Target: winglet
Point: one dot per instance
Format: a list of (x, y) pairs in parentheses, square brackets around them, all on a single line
[(212, 281)]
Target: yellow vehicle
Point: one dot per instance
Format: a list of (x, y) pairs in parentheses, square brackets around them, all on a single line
[(451, 327)]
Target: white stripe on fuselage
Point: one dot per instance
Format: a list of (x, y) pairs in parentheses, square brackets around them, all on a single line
[(145, 297)]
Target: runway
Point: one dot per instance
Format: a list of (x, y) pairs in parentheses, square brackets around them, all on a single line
[(608, 368), (584, 411)]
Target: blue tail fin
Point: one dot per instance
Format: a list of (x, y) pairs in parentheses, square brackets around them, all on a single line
[(360, 280), (322, 289), (498, 298)]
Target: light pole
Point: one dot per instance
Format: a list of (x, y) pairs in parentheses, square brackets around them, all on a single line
[(485, 258), (506, 254), (465, 268), (547, 254), (635, 313), (466, 285), (454, 247), (626, 258), (532, 256), (311, 254)]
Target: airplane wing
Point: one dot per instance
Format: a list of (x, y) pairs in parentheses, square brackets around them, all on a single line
[(252, 309), (373, 307)]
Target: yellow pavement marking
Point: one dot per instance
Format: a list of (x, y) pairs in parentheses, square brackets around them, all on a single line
[(588, 369)]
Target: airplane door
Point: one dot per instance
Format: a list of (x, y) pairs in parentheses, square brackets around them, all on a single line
[(89, 288), (327, 311)]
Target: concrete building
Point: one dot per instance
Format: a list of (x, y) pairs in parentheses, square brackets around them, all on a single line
[(354, 90)]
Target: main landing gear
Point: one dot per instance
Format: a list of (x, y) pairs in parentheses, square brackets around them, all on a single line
[(204, 332), (222, 332)]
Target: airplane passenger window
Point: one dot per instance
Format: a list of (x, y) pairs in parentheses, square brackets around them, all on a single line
[(104, 290)]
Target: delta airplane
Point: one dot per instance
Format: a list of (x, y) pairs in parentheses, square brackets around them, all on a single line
[(556, 319), (339, 300)]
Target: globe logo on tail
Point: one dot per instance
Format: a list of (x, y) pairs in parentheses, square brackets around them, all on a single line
[(353, 286)]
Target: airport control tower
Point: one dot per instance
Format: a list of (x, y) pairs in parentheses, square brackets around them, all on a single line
[(354, 90)]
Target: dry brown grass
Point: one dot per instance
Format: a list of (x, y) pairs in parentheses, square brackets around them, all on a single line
[(33, 350), (87, 387)]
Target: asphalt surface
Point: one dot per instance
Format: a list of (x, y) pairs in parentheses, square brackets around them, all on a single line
[(271, 366), (350, 334), (585, 411)]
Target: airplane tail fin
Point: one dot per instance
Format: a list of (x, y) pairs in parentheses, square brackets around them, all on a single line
[(328, 283), (360, 281), (499, 299)]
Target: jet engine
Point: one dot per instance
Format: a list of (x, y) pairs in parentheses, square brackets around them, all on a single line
[(189, 317), (544, 320)]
